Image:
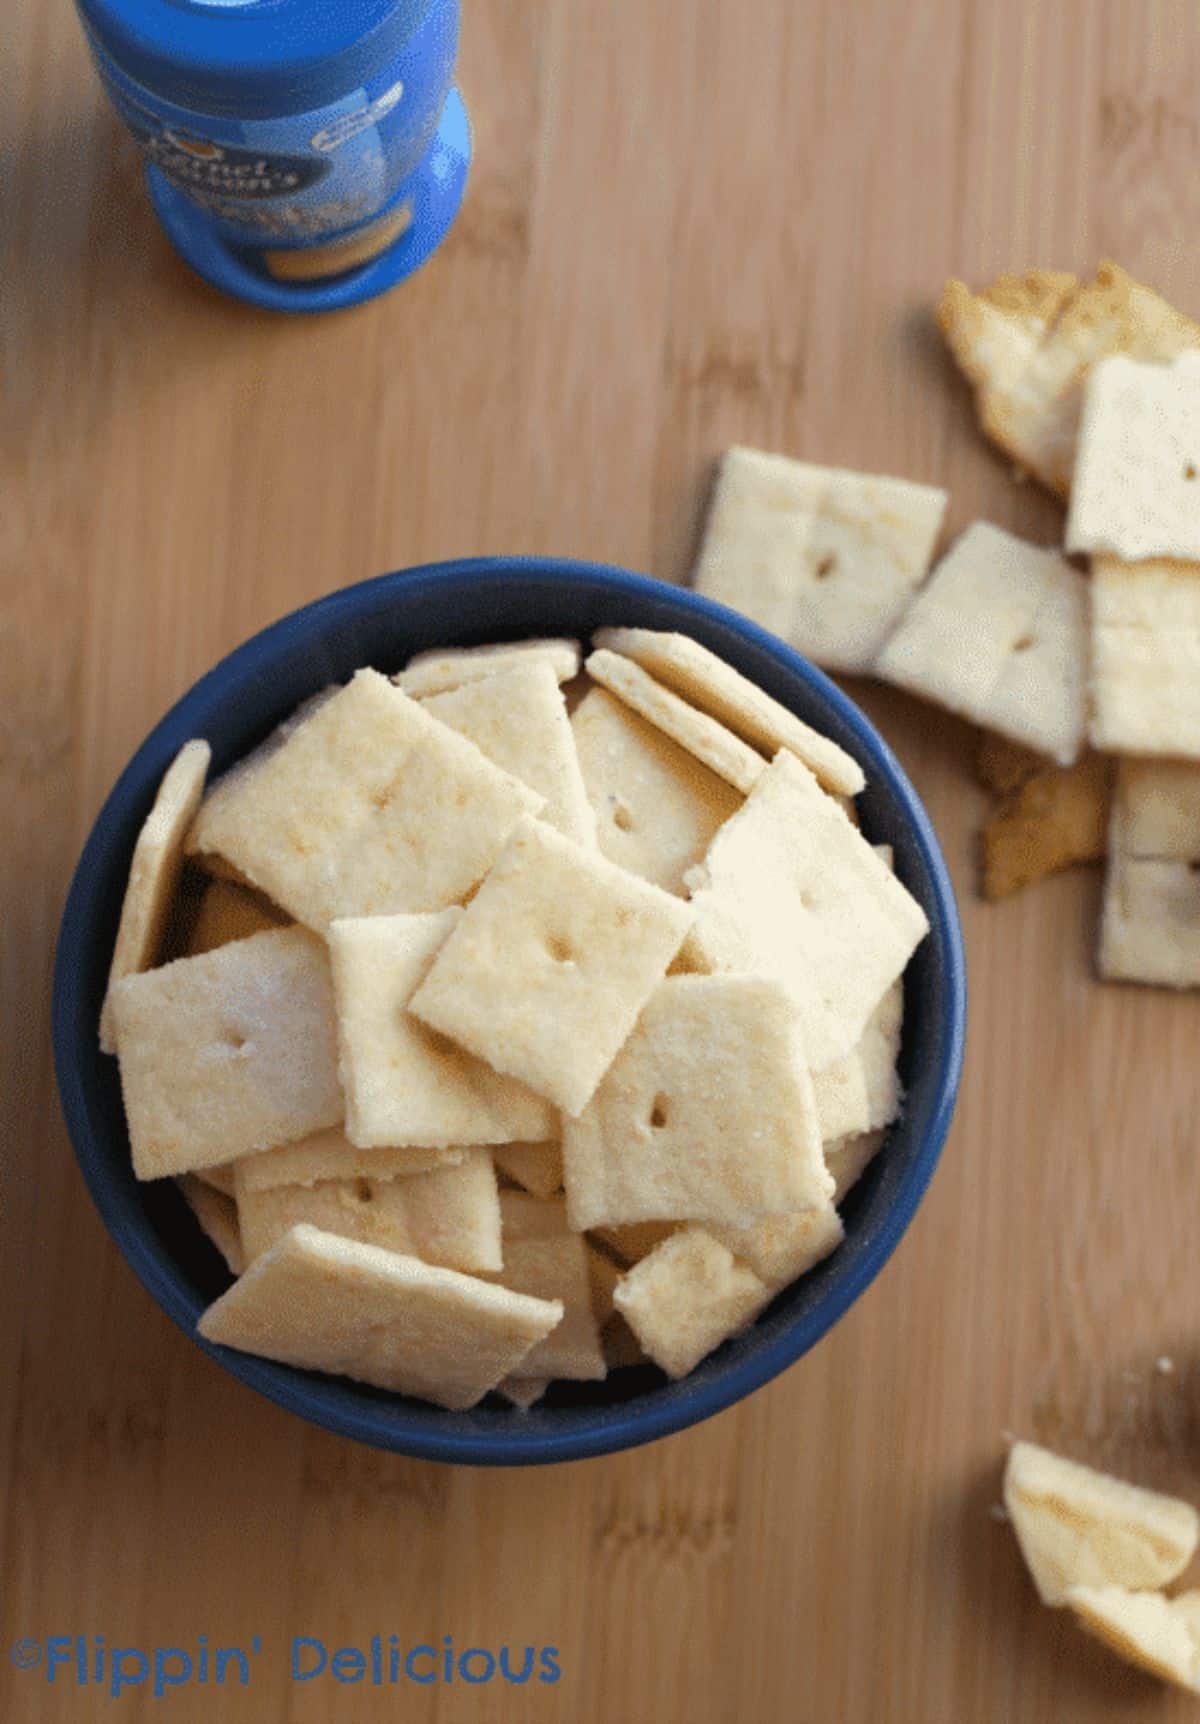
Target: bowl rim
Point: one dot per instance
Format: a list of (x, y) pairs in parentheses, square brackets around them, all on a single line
[(647, 1419)]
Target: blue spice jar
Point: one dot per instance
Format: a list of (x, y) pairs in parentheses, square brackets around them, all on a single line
[(302, 154)]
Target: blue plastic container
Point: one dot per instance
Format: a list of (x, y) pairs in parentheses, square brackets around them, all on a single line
[(382, 623), (302, 154)]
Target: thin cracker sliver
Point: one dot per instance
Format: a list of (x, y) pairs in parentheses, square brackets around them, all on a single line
[(442, 669), (711, 743)]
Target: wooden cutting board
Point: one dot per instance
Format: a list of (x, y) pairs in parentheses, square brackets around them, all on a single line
[(691, 222)]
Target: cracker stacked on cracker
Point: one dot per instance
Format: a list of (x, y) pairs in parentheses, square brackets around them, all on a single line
[(1094, 389), (504, 1046)]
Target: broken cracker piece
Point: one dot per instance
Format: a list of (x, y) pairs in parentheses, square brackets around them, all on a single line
[(1027, 342), (688, 1296), (711, 743), (449, 1216), (403, 1083), (707, 1113), (715, 687), (228, 1053), (549, 1261), (1058, 818), (849, 1158), (1003, 766), (154, 874), (1159, 1635), (442, 668), (518, 719), (825, 558), (1078, 1527), (553, 959), (370, 807), (1000, 635), (791, 889), (330, 1304), (523, 1392), (657, 808)]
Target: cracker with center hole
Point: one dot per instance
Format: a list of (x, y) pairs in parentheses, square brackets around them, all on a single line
[(791, 889), (404, 1084), (849, 1158), (518, 719), (330, 1304), (548, 1261), (1156, 810), (370, 807), (708, 682), (784, 1247), (154, 874), (1146, 657), (228, 1053), (1135, 492), (657, 808), (331, 1155), (1079, 1527), (523, 1392), (553, 959), (536, 1166), (1159, 1635), (442, 669), (688, 1296), (840, 1092), (1027, 342), (826, 558), (449, 1216), (230, 912), (1000, 635), (711, 743), (1150, 926), (706, 1114), (1057, 819), (218, 1219)]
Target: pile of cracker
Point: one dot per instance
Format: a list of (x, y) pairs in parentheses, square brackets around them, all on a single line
[(1106, 1551), (1086, 680), (511, 1038)]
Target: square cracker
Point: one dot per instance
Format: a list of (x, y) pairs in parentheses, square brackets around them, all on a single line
[(825, 558), (441, 669), (1150, 929), (1156, 810), (1027, 342), (331, 1155), (369, 807), (1057, 818), (518, 719), (699, 676), (657, 809), (217, 1216), (404, 1085), (548, 1261), (536, 1166), (230, 912), (784, 1247), (791, 889), (1157, 1634), (706, 1114), (450, 1215), (154, 874), (688, 1296), (1135, 492), (330, 1304), (228, 1053), (1146, 657), (711, 743), (1000, 634), (1079, 1527), (552, 961)]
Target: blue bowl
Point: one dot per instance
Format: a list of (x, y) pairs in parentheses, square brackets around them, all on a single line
[(382, 622)]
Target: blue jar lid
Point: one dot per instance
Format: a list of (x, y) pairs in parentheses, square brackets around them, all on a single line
[(251, 58)]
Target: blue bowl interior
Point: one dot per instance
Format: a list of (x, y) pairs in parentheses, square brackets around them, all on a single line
[(381, 623)]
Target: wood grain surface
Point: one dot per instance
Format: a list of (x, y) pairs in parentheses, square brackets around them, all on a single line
[(690, 222)]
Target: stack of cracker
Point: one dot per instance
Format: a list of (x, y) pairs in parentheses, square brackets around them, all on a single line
[(507, 1044), (1094, 389)]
